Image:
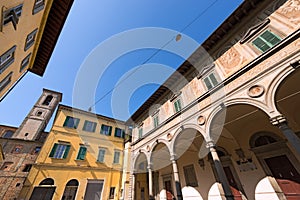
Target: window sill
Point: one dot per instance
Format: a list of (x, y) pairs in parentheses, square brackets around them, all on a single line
[(57, 158), (78, 160)]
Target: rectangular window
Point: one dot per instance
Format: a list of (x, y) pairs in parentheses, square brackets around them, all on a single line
[(8, 134), (112, 193), (117, 157), (89, 126), (71, 122), (60, 151), (27, 168), (105, 130), (177, 105), (17, 149), (6, 166), (36, 150), (266, 40), (101, 155), (7, 58), (12, 15), (81, 153), (140, 132), (155, 121), (5, 82), (119, 133), (30, 39), (38, 6), (190, 176), (211, 81), (25, 62)]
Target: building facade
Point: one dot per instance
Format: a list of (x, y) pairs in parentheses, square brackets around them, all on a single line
[(225, 124), (81, 159), (28, 34), (20, 146)]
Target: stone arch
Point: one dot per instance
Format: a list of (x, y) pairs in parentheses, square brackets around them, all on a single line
[(157, 141), (232, 102), (180, 130), (138, 160), (273, 87), (160, 155)]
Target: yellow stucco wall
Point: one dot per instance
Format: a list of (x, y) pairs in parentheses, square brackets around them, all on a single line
[(9, 37), (63, 170)]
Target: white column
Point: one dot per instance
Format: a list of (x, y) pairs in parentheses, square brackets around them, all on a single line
[(176, 178), (151, 197)]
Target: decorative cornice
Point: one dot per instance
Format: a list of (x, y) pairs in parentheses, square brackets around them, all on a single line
[(253, 30)]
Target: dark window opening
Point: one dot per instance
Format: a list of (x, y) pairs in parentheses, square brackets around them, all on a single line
[(12, 15), (264, 140), (48, 100), (8, 134), (27, 168), (71, 122)]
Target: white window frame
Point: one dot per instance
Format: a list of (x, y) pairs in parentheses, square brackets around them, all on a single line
[(117, 152), (7, 58), (207, 76), (101, 149)]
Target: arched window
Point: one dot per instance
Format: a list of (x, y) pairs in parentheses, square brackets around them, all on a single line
[(44, 191), (8, 134), (47, 181), (263, 138), (48, 100), (70, 190)]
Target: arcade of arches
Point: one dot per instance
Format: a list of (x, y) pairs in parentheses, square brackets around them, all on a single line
[(246, 155)]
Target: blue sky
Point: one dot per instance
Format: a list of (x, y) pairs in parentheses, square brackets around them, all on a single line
[(102, 28)]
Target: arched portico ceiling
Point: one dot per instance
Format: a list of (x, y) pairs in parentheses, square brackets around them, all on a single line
[(140, 163), (238, 122), (160, 156), (287, 98), (189, 139)]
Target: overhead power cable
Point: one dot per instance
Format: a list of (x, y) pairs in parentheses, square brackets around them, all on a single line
[(177, 38)]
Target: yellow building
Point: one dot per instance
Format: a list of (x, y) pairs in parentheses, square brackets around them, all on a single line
[(81, 158), (28, 34)]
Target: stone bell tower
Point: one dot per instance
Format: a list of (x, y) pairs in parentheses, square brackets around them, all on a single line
[(39, 116)]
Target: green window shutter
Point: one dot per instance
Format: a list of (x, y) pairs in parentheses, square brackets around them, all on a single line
[(109, 130), (123, 133), (81, 153), (76, 122), (116, 131), (213, 79), (140, 132), (94, 126), (66, 121), (66, 151), (53, 150), (84, 125), (177, 105), (271, 37), (207, 83), (261, 44), (102, 129)]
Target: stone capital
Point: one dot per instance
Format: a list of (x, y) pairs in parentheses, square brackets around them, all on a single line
[(210, 144), (173, 157), (149, 166), (278, 120)]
